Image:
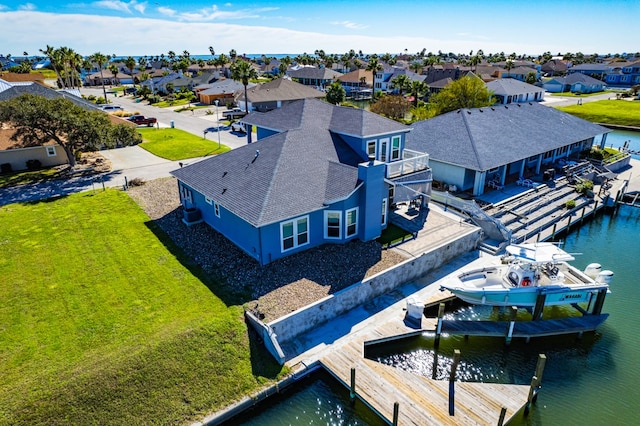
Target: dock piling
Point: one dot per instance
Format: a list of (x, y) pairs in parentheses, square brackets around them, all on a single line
[(396, 412), (539, 307), (452, 378), (512, 323), (503, 414), (436, 342), (352, 392)]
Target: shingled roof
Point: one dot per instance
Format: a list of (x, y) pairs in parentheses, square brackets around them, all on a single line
[(281, 89), (40, 90), (484, 138), (301, 169)]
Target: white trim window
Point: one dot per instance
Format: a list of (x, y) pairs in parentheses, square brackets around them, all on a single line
[(333, 224), (384, 211), (208, 200), (384, 147), (351, 222), (395, 148), (51, 151), (371, 148), (216, 208), (294, 233)]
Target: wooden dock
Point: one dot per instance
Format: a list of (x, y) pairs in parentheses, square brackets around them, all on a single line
[(420, 400), (525, 329)]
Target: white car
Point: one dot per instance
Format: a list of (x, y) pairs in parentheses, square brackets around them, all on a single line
[(238, 127)]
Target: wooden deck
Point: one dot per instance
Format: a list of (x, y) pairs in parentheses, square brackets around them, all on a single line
[(422, 401)]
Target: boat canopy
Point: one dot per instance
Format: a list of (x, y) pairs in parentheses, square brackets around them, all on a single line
[(539, 253)]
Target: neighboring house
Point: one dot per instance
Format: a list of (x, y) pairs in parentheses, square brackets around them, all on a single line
[(96, 79), (469, 148), (17, 157), (276, 93), (442, 72), (184, 82), (598, 71), (519, 73), (437, 86), (15, 78), (14, 90), (574, 83), (624, 75), (222, 90), (554, 67), (356, 81), (319, 78), (384, 78), (509, 90), (318, 174)]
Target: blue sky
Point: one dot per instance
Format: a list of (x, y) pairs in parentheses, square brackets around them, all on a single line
[(138, 27)]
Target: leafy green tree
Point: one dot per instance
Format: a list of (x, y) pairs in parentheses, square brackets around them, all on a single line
[(336, 93), (467, 92), (392, 106), (114, 70), (243, 72), (37, 119), (531, 77)]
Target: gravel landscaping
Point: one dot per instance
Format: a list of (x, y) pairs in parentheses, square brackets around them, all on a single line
[(276, 289)]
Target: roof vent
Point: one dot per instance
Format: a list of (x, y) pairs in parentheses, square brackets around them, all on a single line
[(224, 190), (519, 105), (468, 112), (224, 174), (506, 107), (493, 109), (480, 110), (256, 156)]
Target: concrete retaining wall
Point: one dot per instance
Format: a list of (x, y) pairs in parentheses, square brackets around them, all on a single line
[(268, 336), (307, 318)]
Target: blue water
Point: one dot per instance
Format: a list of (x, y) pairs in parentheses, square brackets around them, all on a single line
[(617, 138), (588, 381)]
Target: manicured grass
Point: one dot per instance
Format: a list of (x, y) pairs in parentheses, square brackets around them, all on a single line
[(102, 323), (175, 144), (620, 112), (576, 95), (35, 176), (173, 103), (393, 234)]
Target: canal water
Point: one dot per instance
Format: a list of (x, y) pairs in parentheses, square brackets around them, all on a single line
[(588, 381)]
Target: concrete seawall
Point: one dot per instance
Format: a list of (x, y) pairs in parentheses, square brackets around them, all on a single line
[(309, 317)]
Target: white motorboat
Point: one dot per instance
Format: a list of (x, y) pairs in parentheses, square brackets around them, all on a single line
[(527, 271)]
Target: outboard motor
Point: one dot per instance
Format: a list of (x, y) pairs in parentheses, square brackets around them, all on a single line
[(604, 277), (592, 270)]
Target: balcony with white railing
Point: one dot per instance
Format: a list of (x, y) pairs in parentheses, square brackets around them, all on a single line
[(412, 162)]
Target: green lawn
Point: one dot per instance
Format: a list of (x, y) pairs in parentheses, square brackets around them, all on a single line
[(175, 144), (31, 176), (621, 112), (577, 95), (102, 323)]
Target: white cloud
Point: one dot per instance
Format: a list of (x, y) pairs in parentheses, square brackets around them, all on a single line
[(350, 25), (121, 6), (27, 6), (167, 11), (214, 14)]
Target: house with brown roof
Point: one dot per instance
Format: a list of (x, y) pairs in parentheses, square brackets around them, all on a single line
[(275, 94), (356, 81), (14, 156)]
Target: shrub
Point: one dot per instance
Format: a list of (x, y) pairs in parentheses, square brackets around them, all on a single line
[(6, 168), (584, 186), (34, 164), (136, 182), (570, 204)]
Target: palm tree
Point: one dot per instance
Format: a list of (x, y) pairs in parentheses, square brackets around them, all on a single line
[(130, 63), (100, 60), (401, 83), (374, 66), (416, 67), (50, 52), (114, 70), (417, 89), (242, 71)]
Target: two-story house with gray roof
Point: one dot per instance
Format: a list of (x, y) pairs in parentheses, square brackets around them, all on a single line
[(469, 148), (318, 174)]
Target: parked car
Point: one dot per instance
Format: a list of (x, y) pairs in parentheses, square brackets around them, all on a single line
[(111, 108), (234, 113), (238, 127), (141, 120)]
